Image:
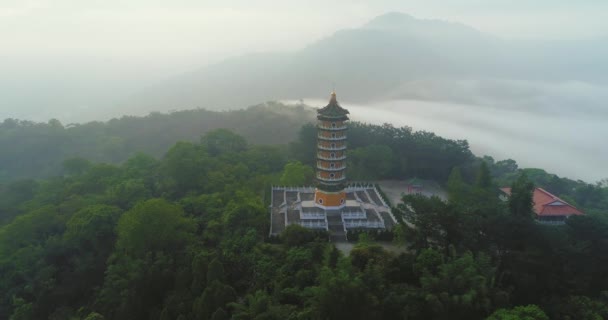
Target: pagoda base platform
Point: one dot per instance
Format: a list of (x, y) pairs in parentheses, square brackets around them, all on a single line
[(363, 209)]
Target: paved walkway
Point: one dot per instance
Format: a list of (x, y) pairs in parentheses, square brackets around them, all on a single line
[(394, 189)]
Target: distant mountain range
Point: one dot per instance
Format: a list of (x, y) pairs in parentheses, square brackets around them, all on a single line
[(394, 56)]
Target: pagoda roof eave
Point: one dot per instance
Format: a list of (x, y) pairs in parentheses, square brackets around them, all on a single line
[(336, 117), (333, 110)]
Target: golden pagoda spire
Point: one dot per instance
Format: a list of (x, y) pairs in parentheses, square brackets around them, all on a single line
[(333, 97)]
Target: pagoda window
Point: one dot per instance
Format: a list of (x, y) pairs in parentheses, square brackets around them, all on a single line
[(333, 124), (331, 165), (332, 155), (333, 135), (333, 145), (341, 201), (331, 175), (321, 201)]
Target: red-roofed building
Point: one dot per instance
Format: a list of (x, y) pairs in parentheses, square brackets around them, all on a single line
[(549, 208)]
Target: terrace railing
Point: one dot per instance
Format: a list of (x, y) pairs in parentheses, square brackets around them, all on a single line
[(354, 215), (312, 215), (364, 224), (312, 224)]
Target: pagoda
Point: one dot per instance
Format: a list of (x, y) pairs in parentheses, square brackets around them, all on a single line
[(331, 155), (330, 205)]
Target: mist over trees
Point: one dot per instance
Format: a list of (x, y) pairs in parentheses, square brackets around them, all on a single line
[(33, 150)]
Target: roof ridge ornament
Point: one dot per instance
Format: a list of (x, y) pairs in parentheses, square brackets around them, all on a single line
[(333, 110), (333, 99)]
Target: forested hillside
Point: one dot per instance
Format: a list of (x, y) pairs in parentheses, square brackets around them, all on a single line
[(183, 234), (34, 150)]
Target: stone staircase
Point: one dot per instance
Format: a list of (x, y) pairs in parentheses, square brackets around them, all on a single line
[(389, 223), (336, 228)]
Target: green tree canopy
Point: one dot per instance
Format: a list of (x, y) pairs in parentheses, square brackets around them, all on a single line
[(153, 225), (223, 141), (520, 201), (371, 162), (529, 312), (457, 188), (297, 174)]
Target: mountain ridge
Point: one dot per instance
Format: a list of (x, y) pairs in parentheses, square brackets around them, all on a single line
[(375, 62)]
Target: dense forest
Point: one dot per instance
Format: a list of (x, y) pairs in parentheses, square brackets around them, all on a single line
[(35, 150), (173, 224)]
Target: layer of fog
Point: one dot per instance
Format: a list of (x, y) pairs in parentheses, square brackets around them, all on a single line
[(79, 88), (577, 98), (565, 143)]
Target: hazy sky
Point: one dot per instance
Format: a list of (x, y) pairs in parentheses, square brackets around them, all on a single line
[(176, 32)]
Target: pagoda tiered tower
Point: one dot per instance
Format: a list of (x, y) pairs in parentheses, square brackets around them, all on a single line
[(331, 155), (331, 206)]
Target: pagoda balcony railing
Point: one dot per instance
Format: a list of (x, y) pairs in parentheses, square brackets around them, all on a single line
[(333, 128), (331, 169), (330, 179), (330, 158), (331, 148), (331, 138), (363, 224)]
